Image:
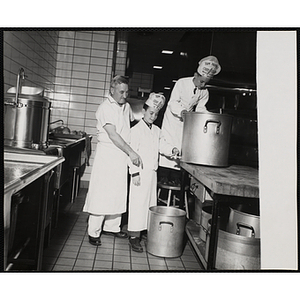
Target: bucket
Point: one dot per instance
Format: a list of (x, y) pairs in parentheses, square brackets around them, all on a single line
[(165, 231), (235, 252)]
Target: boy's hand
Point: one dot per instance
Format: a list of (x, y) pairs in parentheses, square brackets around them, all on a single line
[(136, 180)]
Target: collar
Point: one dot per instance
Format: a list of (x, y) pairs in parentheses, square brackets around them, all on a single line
[(112, 100), (148, 124)]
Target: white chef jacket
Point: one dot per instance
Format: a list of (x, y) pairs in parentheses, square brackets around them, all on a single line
[(182, 98), (107, 192), (145, 142)]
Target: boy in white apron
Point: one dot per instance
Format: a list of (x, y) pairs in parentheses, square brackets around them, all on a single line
[(145, 142)]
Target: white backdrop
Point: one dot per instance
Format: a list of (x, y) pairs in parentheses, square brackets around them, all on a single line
[(277, 123)]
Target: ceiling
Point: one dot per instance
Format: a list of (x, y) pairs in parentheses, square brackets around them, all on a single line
[(235, 49)]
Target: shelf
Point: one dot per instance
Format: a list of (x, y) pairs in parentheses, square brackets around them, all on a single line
[(192, 231)]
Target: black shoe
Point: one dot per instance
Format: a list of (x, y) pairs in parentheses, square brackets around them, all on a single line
[(144, 236), (95, 241), (135, 244), (120, 234)]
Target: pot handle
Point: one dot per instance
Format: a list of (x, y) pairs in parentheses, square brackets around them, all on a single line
[(212, 121), (168, 223), (239, 225), (193, 188)]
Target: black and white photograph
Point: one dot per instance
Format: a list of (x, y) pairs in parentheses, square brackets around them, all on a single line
[(150, 150)]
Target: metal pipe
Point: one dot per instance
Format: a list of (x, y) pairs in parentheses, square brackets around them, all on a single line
[(21, 75), (246, 90), (62, 121)]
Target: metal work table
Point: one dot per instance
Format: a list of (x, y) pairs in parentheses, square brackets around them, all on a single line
[(232, 184), (19, 171)]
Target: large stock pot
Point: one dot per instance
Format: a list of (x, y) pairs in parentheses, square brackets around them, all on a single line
[(206, 138), (26, 121), (244, 220), (166, 226), (235, 252)]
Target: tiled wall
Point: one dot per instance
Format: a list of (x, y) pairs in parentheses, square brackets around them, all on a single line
[(35, 51), (74, 66), (83, 73), (140, 80)]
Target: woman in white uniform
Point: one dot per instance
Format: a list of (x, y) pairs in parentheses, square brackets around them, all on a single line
[(107, 194), (187, 93), (142, 195)]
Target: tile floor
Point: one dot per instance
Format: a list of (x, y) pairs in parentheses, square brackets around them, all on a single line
[(69, 249)]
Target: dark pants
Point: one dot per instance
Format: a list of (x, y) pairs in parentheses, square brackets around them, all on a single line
[(171, 174), (136, 233)]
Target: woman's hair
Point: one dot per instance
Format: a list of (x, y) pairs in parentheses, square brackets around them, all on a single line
[(118, 79)]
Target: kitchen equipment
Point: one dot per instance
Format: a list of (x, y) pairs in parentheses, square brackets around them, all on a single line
[(206, 214), (202, 198), (235, 252), (206, 138), (242, 222), (165, 231), (196, 216), (26, 121)]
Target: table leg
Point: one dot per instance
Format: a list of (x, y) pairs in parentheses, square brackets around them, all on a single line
[(182, 189), (213, 234), (42, 223)]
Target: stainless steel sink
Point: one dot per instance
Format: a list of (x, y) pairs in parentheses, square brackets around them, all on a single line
[(20, 168)]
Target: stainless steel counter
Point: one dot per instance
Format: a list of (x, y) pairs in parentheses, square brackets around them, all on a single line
[(21, 169)]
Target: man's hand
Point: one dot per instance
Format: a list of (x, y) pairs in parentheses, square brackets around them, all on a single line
[(182, 114), (175, 153), (136, 159)]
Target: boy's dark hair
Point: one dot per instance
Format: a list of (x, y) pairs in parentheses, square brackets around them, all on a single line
[(145, 106)]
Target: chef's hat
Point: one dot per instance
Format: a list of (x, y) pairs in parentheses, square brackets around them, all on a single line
[(209, 67), (156, 100)]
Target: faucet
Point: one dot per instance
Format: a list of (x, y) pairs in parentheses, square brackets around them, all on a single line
[(21, 75), (62, 122)]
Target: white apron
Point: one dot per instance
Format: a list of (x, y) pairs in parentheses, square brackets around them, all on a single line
[(145, 142), (182, 98), (107, 194)]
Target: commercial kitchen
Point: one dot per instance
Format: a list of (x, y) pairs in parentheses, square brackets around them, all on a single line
[(224, 216)]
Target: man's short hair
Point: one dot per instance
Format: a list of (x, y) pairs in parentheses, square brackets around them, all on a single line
[(118, 79)]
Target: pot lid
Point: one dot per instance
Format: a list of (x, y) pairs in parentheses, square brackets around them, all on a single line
[(27, 99), (27, 90)]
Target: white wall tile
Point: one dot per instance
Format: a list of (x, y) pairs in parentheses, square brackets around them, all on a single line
[(82, 44), (78, 98)]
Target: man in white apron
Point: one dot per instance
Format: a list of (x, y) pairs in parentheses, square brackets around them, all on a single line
[(187, 93), (142, 195), (107, 194)]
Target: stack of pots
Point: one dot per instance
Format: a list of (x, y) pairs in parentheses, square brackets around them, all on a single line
[(238, 241)]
